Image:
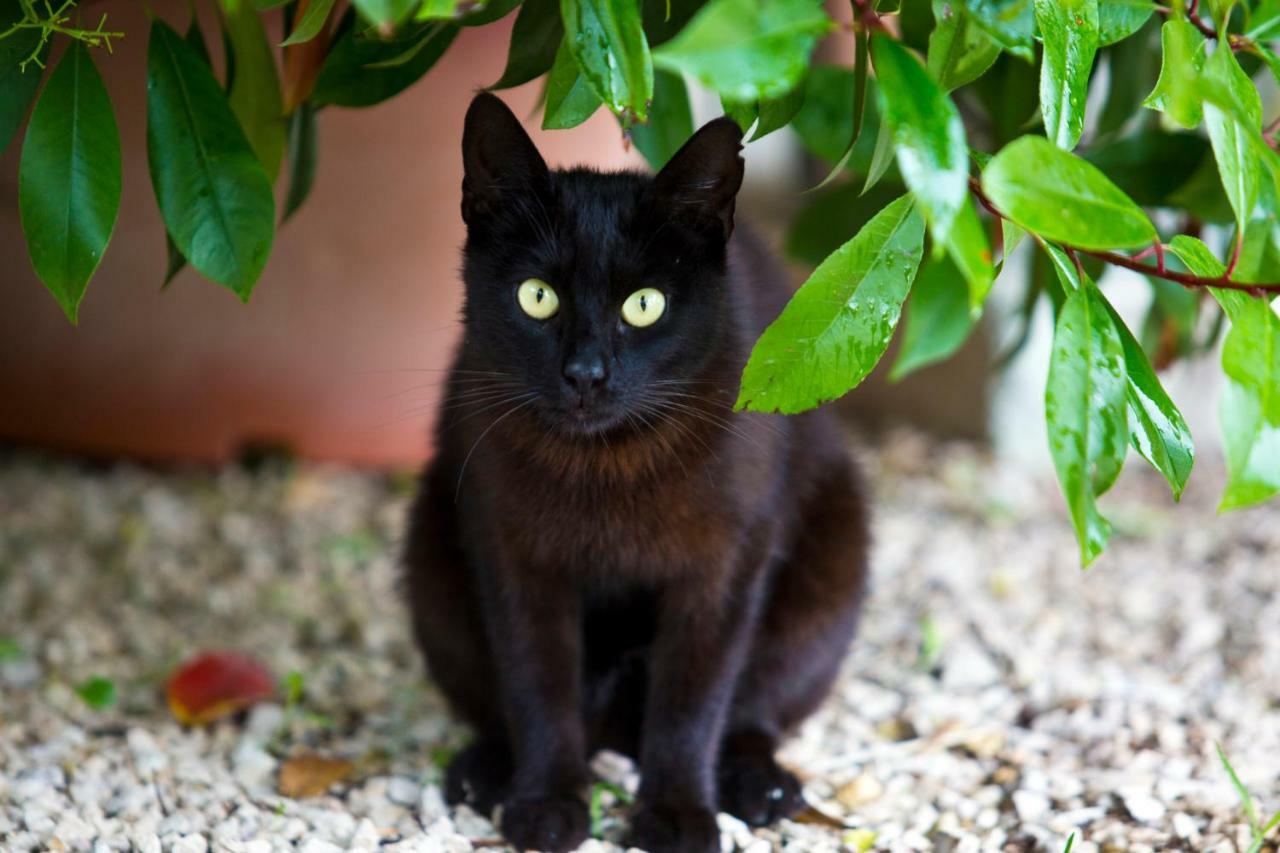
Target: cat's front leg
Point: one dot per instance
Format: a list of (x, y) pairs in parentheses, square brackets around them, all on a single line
[(694, 662), (535, 624)]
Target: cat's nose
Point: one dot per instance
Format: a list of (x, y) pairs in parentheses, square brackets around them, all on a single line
[(585, 372)]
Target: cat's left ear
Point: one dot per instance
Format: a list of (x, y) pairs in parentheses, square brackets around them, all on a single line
[(700, 182), (498, 158)]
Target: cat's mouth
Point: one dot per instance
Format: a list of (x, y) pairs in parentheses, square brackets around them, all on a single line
[(590, 419)]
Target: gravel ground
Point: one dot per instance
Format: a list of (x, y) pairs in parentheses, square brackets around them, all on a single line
[(997, 699)]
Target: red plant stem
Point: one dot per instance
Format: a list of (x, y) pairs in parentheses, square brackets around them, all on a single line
[(1235, 255), (1159, 271)]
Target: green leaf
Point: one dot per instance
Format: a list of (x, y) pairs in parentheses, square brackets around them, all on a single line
[(1252, 446), (927, 134), (838, 324), (1058, 195), (535, 40), (351, 76), (670, 120), (775, 113), (968, 247), (1119, 19), (744, 113), (384, 14), (938, 319), (69, 178), (302, 157), (1175, 93), (1198, 257), (311, 22), (1232, 118), (746, 50), (1157, 429), (1085, 408), (255, 92), (18, 86), (959, 50), (435, 10), (1260, 253), (1246, 799), (98, 693), (213, 194), (607, 39), (1249, 411), (570, 98), (1070, 32), (1011, 23), (881, 159)]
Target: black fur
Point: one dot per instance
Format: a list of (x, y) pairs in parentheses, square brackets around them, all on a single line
[(624, 561)]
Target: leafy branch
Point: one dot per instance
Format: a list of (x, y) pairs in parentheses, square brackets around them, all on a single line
[(1158, 249), (57, 22)]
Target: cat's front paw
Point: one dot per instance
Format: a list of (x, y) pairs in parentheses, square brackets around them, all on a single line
[(758, 791), (675, 829), (553, 824)]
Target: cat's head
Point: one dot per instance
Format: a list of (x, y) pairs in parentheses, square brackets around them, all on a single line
[(602, 296)]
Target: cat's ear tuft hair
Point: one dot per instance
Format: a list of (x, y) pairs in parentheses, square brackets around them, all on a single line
[(498, 158), (701, 180)]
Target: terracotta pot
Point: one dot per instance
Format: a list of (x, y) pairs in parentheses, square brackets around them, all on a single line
[(358, 303)]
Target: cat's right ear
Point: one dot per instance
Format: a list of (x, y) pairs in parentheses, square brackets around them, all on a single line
[(498, 158)]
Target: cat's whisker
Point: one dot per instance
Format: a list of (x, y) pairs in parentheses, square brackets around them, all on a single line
[(463, 469)]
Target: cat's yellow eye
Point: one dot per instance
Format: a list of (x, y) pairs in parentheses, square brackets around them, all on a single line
[(537, 299), (644, 307)]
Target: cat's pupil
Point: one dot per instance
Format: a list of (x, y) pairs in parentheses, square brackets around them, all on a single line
[(538, 298), (644, 304)]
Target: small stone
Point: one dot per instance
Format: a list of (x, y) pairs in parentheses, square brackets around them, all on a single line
[(859, 791), (190, 844), (403, 791), (1031, 806), (365, 837), (319, 845), (1143, 807)]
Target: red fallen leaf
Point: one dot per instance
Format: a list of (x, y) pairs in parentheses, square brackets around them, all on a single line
[(216, 684)]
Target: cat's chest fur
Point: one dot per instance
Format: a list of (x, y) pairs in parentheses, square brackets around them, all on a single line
[(627, 513)]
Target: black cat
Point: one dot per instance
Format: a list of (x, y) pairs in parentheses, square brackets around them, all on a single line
[(603, 553)]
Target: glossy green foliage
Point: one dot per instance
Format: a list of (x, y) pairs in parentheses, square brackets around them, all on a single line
[(255, 91), (608, 42), (1085, 409), (69, 179), (535, 40), (926, 131), (838, 325), (746, 50), (211, 189), (1071, 127), (570, 97), (938, 319), (362, 69), (1060, 196), (1069, 31), (960, 51)]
